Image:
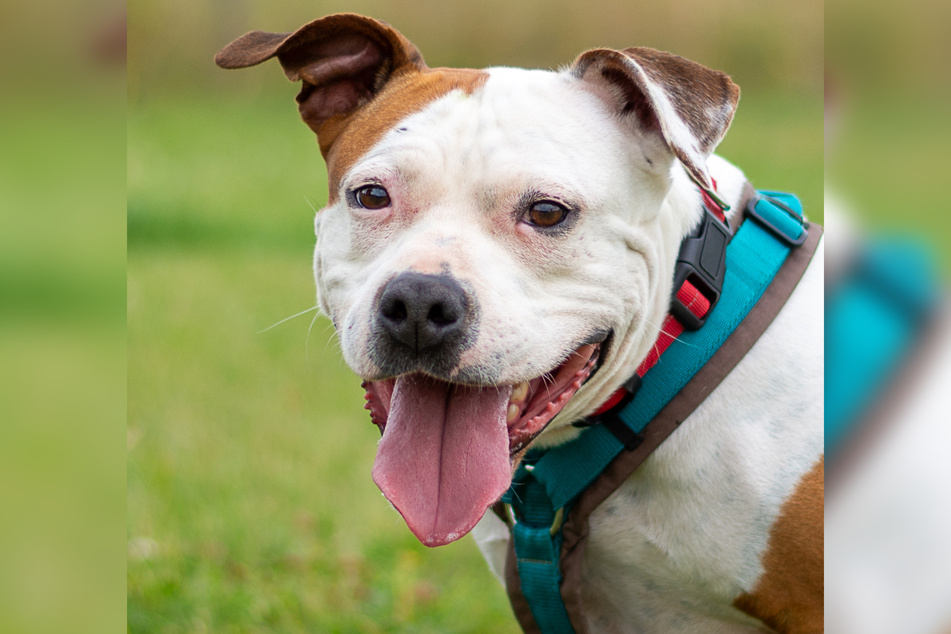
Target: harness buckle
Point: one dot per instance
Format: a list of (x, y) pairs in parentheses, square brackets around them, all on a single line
[(702, 262), (770, 225), (611, 419), (619, 429)]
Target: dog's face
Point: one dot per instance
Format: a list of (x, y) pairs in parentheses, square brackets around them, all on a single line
[(498, 247)]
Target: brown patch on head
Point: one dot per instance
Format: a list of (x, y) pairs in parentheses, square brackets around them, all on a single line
[(349, 137), (788, 597), (358, 75)]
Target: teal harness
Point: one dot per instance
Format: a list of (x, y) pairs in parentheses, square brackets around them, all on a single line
[(548, 483), (876, 317)]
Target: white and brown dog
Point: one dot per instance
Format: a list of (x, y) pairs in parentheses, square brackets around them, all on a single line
[(494, 236)]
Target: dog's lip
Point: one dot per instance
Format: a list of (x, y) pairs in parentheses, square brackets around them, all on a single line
[(534, 402), (548, 394)]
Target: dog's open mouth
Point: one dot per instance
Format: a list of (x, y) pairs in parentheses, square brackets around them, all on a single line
[(447, 448)]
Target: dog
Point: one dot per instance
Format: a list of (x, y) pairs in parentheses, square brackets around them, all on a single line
[(497, 256)]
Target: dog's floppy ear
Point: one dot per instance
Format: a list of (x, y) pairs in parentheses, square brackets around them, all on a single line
[(342, 60), (688, 105)]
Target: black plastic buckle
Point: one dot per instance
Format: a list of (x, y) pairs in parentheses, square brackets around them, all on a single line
[(625, 435), (781, 235), (611, 419), (702, 262)]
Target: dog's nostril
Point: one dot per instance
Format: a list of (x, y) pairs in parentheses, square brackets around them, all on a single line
[(441, 316), (394, 310)]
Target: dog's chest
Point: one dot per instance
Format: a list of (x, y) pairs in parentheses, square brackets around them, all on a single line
[(666, 558)]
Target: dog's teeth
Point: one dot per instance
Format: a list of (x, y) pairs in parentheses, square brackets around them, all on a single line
[(512, 413), (519, 392)]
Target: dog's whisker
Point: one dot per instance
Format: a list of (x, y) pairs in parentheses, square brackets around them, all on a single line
[(307, 339), (307, 200), (548, 381), (287, 319), (334, 338), (661, 329)]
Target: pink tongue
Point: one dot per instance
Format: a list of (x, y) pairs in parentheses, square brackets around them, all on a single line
[(444, 456)]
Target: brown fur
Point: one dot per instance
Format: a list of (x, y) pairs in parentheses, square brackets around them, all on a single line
[(359, 76), (704, 99), (344, 139), (788, 597)]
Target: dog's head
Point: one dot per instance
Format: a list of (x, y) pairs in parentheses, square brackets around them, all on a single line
[(498, 247)]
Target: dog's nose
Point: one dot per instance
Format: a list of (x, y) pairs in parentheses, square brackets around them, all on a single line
[(423, 311)]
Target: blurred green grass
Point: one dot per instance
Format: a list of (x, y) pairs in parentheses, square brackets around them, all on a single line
[(250, 503), (893, 175), (249, 497), (62, 352), (214, 172)]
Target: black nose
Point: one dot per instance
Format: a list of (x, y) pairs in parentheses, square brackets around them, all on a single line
[(423, 311)]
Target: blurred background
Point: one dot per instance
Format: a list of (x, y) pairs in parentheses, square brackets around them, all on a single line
[(250, 503), (62, 316), (888, 336)]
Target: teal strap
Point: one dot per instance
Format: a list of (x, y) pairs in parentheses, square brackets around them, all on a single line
[(540, 577), (781, 213), (872, 320), (550, 480), (538, 552)]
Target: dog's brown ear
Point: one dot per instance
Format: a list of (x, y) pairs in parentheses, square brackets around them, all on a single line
[(688, 105), (342, 60)]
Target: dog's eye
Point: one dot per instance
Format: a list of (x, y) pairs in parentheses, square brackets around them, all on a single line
[(372, 197), (546, 214)]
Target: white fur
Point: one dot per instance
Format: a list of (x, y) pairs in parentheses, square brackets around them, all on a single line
[(674, 546)]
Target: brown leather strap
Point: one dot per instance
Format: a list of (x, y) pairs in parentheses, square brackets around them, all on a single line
[(723, 361), (502, 513)]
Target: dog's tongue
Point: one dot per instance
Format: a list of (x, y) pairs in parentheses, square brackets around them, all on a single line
[(444, 456)]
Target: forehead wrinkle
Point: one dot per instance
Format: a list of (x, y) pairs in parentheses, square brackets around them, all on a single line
[(441, 148), (521, 130)]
